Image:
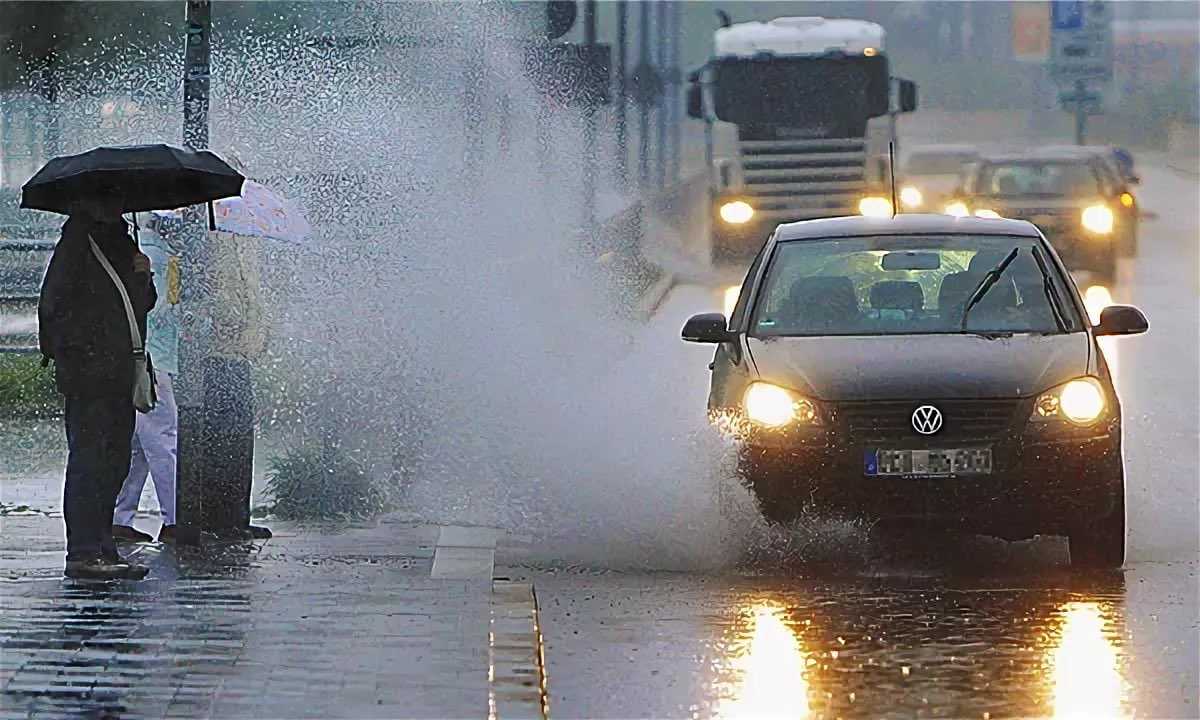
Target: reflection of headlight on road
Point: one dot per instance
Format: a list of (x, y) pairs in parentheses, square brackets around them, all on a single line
[(875, 207), (1097, 219), (1080, 401), (731, 298), (773, 406), (987, 213), (957, 209), (736, 212), (911, 197)]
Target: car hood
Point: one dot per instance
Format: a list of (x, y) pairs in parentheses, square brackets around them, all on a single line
[(1020, 207), (899, 367)]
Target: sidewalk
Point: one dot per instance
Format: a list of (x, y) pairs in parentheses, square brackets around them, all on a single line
[(343, 623)]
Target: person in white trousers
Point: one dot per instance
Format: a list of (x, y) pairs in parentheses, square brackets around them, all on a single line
[(155, 437)]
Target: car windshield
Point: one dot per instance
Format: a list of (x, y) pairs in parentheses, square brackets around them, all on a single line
[(1068, 179), (929, 163), (900, 285)]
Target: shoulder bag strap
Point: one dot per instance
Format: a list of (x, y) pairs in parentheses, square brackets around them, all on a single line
[(138, 349)]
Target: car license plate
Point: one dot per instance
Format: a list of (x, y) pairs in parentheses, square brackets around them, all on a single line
[(928, 463)]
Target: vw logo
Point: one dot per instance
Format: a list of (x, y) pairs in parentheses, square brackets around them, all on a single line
[(927, 420)]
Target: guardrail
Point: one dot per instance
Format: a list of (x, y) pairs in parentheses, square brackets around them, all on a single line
[(638, 245), (19, 292)]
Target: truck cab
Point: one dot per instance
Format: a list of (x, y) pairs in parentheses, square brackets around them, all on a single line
[(799, 112)]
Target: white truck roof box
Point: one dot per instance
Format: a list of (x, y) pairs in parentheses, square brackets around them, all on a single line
[(798, 36)]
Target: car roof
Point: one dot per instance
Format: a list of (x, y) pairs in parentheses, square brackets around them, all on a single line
[(1050, 153), (902, 224)]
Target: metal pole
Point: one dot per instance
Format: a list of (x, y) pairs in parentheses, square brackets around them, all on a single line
[(589, 125), (660, 110), (622, 91), (1080, 112), (643, 107), (193, 348), (676, 88)]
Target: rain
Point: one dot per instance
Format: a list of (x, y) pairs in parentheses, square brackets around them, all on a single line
[(481, 445)]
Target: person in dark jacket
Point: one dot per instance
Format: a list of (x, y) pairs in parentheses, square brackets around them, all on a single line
[(84, 329)]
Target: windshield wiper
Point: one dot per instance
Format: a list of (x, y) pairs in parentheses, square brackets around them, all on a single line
[(1048, 287), (986, 284)]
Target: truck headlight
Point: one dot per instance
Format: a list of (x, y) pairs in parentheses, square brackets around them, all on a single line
[(875, 207), (736, 212), (911, 197), (773, 406), (1080, 401), (1097, 219), (958, 208)]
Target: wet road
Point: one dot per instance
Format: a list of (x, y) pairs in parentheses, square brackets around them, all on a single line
[(833, 622)]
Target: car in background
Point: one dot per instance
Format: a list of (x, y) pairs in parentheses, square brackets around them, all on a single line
[(931, 174), (927, 369), (1072, 194)]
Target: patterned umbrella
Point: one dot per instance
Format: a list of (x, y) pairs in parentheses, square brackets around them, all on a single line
[(259, 212)]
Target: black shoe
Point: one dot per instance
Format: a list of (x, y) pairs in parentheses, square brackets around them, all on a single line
[(97, 569), (167, 534), (135, 571), (232, 534), (125, 533), (258, 532)]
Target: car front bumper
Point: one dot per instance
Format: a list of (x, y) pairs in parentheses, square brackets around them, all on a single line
[(1038, 484)]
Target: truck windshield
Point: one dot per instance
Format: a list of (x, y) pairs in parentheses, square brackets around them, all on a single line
[(801, 97), (902, 285)]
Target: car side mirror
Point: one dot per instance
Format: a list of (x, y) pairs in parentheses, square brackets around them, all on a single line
[(1133, 180), (908, 96), (1121, 320), (707, 328), (695, 101)]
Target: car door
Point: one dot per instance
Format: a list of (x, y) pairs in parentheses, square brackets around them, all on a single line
[(731, 366)]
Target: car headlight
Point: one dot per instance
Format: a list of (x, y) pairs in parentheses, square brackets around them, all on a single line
[(1097, 219), (1080, 401), (987, 213), (911, 197), (736, 212), (875, 207), (957, 208), (773, 406)]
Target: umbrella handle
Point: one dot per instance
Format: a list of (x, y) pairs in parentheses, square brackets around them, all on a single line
[(212, 218)]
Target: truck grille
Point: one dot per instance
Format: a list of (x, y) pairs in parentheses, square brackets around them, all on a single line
[(892, 420), (790, 180)]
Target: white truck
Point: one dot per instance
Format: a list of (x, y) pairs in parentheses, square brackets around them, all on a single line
[(799, 112)]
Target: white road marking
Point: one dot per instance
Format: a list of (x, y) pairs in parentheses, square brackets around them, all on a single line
[(465, 553)]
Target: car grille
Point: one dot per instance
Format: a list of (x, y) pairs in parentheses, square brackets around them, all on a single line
[(893, 419)]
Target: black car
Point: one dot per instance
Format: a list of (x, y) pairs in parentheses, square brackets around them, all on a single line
[(924, 368), (1075, 196)]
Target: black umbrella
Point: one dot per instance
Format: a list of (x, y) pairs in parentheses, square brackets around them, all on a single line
[(133, 178)]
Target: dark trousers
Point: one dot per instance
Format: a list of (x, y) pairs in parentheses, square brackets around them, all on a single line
[(99, 436), (228, 443)]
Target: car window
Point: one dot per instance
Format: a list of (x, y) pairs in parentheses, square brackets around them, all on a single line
[(927, 163), (1067, 179), (905, 285)]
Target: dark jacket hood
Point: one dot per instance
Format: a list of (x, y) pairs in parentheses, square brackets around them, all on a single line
[(899, 367)]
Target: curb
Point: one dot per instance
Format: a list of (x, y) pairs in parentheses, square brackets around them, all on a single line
[(517, 685), (653, 298)]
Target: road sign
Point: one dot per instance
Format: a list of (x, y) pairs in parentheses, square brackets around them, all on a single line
[(1081, 100), (1067, 14), (1031, 32), (1080, 40)]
